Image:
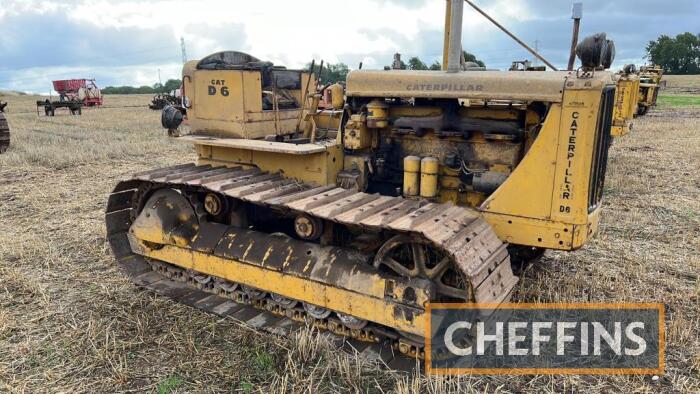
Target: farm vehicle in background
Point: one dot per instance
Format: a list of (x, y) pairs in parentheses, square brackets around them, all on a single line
[(73, 94), (83, 90)]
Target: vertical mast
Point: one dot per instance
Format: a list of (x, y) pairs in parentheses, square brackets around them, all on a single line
[(454, 36)]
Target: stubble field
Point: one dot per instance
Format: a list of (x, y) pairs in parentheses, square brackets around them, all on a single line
[(71, 322)]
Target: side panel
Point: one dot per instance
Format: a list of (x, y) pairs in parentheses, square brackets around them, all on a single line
[(528, 190), (625, 105), (319, 168), (574, 156), (229, 103), (545, 201), (218, 95)]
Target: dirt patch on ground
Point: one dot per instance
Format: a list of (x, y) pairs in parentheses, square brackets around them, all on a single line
[(69, 321)]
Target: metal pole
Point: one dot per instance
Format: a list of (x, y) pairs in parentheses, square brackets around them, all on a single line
[(304, 94), (574, 41), (446, 38), (454, 53), (532, 51), (576, 14)]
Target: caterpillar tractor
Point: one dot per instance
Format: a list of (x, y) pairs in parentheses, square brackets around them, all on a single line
[(649, 83), (436, 186), (626, 99)]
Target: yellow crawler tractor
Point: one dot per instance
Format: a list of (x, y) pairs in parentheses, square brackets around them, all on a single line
[(435, 186), (626, 98), (650, 82)]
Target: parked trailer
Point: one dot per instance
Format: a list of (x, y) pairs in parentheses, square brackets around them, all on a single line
[(84, 90), (74, 106)]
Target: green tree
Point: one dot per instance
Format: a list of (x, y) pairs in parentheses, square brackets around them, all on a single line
[(468, 57), (172, 84), (415, 63), (677, 55), (436, 66), (331, 73), (127, 90)]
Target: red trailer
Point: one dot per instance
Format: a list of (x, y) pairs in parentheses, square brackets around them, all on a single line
[(84, 90)]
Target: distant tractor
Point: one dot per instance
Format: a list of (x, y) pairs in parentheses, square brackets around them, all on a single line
[(649, 84)]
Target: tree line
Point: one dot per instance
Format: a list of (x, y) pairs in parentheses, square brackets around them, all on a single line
[(415, 63), (676, 55), (170, 85), (338, 72)]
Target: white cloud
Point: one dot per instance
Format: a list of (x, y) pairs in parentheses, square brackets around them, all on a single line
[(125, 41), (291, 32)]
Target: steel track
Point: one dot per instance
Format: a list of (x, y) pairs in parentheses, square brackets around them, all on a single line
[(459, 232)]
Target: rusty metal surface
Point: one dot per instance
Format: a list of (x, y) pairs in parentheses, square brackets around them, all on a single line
[(458, 232), (4, 133)]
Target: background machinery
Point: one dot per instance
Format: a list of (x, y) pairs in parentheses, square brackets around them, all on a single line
[(525, 65), (436, 186), (84, 90), (160, 100), (73, 94), (626, 99), (4, 133), (649, 84)]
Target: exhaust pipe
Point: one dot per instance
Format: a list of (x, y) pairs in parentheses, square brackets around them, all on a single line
[(454, 49)]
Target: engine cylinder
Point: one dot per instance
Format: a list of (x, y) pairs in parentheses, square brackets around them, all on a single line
[(428, 177), (411, 179), (377, 114)]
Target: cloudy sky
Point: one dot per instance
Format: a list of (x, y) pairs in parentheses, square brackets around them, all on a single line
[(126, 42)]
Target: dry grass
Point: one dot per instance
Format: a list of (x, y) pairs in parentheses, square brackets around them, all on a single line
[(69, 321), (674, 81), (681, 84)]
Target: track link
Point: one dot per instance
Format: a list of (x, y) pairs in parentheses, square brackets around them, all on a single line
[(4, 133), (458, 232)]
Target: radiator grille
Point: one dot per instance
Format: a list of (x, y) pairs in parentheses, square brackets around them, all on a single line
[(600, 151)]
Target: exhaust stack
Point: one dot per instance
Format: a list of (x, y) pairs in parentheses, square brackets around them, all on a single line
[(454, 47)]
